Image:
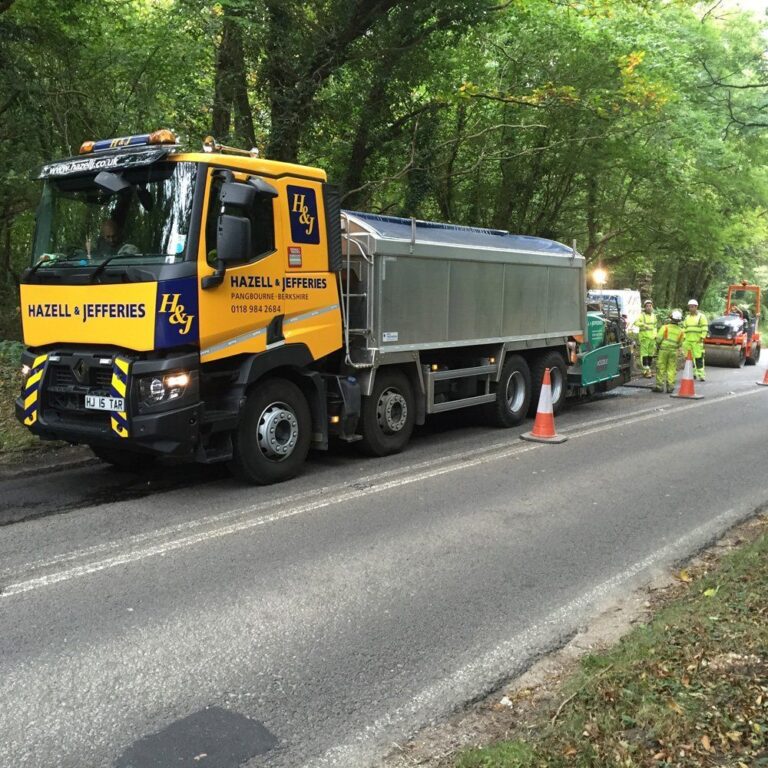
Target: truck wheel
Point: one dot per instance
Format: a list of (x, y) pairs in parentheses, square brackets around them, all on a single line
[(513, 393), (558, 374), (122, 460), (388, 414), (273, 437), (754, 358)]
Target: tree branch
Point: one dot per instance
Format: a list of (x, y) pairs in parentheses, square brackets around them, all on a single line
[(720, 83), (711, 10)]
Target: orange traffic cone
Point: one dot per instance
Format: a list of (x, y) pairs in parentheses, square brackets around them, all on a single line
[(544, 425), (764, 382), (686, 383)]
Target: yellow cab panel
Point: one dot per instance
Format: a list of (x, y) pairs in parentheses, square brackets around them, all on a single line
[(282, 292)]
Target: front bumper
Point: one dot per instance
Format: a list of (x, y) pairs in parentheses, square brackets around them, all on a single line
[(53, 406)]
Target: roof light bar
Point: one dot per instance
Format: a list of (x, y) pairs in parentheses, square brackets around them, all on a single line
[(163, 136)]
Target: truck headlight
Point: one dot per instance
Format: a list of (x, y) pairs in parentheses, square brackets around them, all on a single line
[(162, 389), (25, 371)]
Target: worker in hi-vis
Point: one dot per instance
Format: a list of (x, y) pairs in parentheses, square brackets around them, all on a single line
[(669, 340), (695, 327), (646, 333)]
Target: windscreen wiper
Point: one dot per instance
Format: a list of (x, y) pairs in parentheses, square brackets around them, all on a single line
[(34, 269), (42, 262), (96, 272)]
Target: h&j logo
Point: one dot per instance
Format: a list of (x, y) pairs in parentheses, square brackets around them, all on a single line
[(302, 206), (170, 305)]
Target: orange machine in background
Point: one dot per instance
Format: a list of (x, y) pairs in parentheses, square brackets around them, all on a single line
[(734, 339)]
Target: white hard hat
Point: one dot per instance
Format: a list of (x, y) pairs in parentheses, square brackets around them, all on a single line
[(694, 302), (676, 314)]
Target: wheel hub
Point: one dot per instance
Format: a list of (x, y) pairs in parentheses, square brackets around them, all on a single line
[(278, 431), (391, 411), (556, 379), (515, 392)]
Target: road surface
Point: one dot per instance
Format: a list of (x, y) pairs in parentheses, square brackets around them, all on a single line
[(186, 617)]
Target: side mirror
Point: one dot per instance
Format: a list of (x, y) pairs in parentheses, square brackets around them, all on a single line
[(233, 234), (233, 238), (242, 195), (233, 242), (263, 188), (235, 194)]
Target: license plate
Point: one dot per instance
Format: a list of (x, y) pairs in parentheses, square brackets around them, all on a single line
[(102, 403)]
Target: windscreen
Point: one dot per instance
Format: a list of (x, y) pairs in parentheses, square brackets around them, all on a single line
[(138, 215)]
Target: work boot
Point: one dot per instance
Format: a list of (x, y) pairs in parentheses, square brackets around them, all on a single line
[(647, 373), (657, 389)]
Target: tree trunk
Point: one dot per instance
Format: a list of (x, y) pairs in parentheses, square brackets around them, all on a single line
[(445, 192), (231, 91), (5, 257), (295, 70)]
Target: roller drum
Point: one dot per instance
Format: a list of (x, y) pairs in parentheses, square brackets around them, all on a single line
[(722, 356)]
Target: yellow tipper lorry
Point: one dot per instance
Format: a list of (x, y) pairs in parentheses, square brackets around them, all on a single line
[(216, 306)]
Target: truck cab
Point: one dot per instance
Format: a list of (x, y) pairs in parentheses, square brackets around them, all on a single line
[(163, 283)]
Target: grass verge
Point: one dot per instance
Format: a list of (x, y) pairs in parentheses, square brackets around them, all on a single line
[(16, 442), (688, 689)]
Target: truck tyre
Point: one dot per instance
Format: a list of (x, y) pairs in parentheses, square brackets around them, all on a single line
[(558, 374), (273, 437), (754, 358), (388, 414), (513, 393), (122, 460)]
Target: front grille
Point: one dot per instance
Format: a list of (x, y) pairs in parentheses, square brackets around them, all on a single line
[(102, 377), (61, 376), (63, 395), (71, 408), (719, 331)]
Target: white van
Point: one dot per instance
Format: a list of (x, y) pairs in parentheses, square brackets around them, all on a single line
[(629, 302)]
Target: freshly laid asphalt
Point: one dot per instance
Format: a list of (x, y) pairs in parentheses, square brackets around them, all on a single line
[(186, 619)]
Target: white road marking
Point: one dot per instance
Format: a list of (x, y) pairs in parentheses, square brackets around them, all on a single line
[(243, 520)]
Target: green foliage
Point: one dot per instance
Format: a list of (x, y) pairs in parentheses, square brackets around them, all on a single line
[(13, 437), (10, 352), (69, 73)]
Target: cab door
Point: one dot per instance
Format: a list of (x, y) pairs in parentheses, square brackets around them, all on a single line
[(236, 314), (311, 293)]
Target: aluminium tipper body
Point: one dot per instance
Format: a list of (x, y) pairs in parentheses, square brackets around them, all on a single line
[(430, 285)]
